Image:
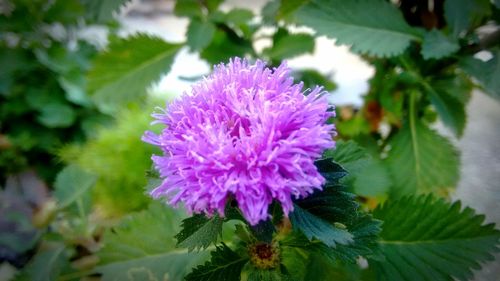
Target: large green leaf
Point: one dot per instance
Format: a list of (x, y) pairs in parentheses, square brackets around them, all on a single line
[(436, 45), (144, 245), (198, 232), (421, 161), (123, 72), (486, 72), (225, 265), (462, 15), (373, 27), (425, 238)]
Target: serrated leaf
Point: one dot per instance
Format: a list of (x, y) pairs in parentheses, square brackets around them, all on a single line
[(291, 45), (486, 72), (198, 232), (383, 33), (225, 265), (123, 72), (436, 45), (71, 183), (421, 161), (462, 15), (330, 170), (314, 227), (450, 109), (199, 34), (425, 238), (144, 244)]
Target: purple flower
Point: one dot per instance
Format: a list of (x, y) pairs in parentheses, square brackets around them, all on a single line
[(245, 132)]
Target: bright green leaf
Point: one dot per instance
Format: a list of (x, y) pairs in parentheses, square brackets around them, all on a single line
[(436, 45), (421, 161), (199, 34), (143, 245), (485, 72), (71, 183), (373, 27), (225, 265), (425, 238), (198, 232), (463, 15), (291, 45), (188, 8), (314, 227), (127, 68)]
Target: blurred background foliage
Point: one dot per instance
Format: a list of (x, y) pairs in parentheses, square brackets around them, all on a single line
[(72, 110)]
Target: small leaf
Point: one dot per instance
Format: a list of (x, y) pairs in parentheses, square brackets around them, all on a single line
[(198, 232), (199, 34), (71, 183), (239, 16), (330, 170), (485, 72), (136, 62), (315, 227), (383, 33), (312, 78), (425, 238), (436, 45), (291, 45), (48, 263), (225, 265), (421, 161), (450, 109), (102, 11), (57, 115), (188, 8)]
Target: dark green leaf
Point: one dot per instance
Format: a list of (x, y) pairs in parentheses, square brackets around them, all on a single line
[(425, 238), (463, 15), (312, 78), (48, 263), (57, 115), (198, 232), (382, 33), (330, 170), (315, 227), (136, 62), (225, 45), (239, 16), (486, 72), (102, 11), (225, 265), (199, 34), (421, 161), (71, 183), (436, 45), (291, 45), (143, 245), (256, 274)]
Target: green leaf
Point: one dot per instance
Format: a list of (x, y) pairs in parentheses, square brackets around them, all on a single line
[(127, 68), (199, 34), (464, 15), (225, 45), (425, 238), (71, 183), (450, 109), (102, 11), (291, 45), (330, 170), (198, 232), (373, 27), (485, 72), (421, 161), (188, 8), (256, 274), (225, 265), (143, 245), (436, 45), (48, 263), (295, 261), (312, 78), (239, 16), (315, 227), (57, 115)]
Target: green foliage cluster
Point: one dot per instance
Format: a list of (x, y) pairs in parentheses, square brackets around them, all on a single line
[(56, 90)]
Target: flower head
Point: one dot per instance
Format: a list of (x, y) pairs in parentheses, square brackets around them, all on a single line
[(245, 132)]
